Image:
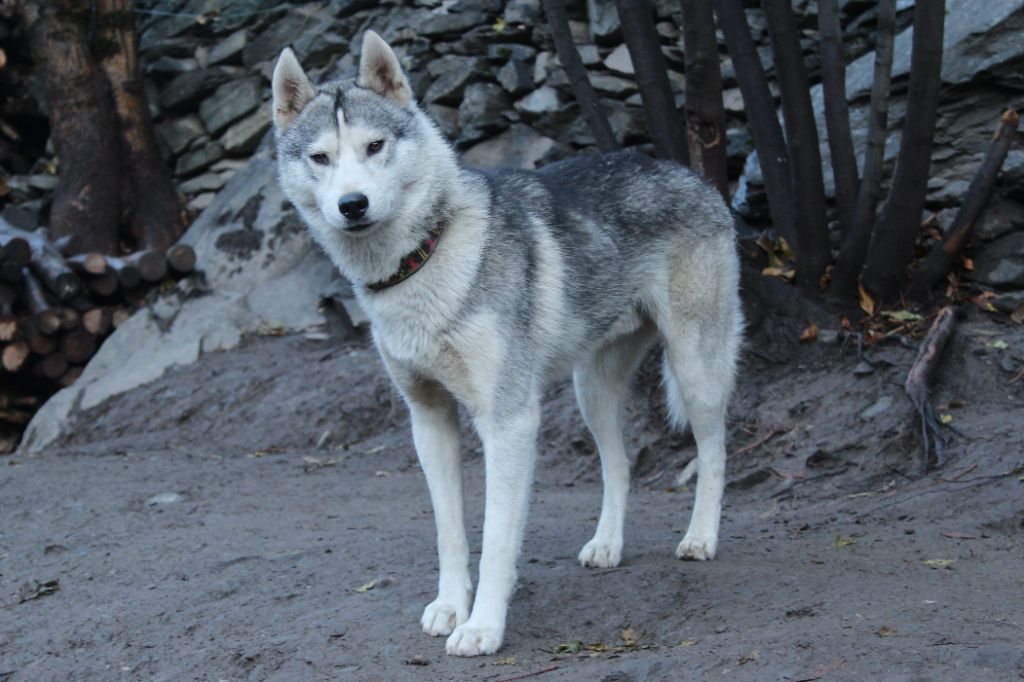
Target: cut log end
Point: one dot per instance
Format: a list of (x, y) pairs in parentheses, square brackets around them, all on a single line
[(14, 356), (78, 346), (70, 377), (16, 250), (8, 328), (181, 258), (96, 321), (152, 265), (52, 366)]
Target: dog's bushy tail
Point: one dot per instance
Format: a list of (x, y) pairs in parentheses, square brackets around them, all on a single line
[(673, 397)]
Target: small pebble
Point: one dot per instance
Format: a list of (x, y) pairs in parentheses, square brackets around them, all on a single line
[(164, 498), (863, 369), (828, 336)]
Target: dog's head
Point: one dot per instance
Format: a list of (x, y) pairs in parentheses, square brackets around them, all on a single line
[(356, 157)]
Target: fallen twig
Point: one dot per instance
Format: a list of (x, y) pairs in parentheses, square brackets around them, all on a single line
[(759, 442), (960, 474), (533, 674), (918, 386)]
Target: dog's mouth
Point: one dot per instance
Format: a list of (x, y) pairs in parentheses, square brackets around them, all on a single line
[(358, 228)]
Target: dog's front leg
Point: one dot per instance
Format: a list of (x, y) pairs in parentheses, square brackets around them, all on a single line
[(435, 429), (509, 452)]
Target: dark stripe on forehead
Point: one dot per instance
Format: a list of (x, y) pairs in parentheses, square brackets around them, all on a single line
[(339, 104)]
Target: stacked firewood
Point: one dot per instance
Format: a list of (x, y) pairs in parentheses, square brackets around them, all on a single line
[(56, 309)]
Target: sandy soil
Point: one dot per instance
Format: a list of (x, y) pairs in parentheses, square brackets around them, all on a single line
[(224, 522)]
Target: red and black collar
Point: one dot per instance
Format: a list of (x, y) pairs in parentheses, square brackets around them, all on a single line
[(412, 262)]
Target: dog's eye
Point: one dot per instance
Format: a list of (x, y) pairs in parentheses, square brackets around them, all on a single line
[(319, 159), (374, 147)]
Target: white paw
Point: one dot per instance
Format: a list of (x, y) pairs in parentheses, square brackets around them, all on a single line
[(601, 554), (696, 547), (441, 617), (473, 640)]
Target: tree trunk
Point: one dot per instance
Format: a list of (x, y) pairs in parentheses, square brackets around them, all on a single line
[(812, 249), (666, 127), (590, 105), (705, 116), (86, 204), (892, 247), (764, 124), (938, 262), (150, 200), (837, 113), (854, 248)]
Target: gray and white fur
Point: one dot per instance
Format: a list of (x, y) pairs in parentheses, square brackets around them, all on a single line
[(579, 267)]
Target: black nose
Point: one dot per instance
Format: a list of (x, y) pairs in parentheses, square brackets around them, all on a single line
[(353, 205)]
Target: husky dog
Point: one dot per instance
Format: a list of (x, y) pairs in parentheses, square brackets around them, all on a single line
[(482, 287)]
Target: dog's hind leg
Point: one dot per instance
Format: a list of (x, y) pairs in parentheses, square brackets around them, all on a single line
[(701, 329), (602, 385), (705, 401)]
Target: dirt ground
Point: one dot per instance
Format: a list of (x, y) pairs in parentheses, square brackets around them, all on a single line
[(224, 522)]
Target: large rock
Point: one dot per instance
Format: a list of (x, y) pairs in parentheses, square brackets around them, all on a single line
[(750, 200), (207, 182), (518, 147), (316, 48), (245, 135), (516, 77), (199, 159), (451, 74), (185, 91), (480, 113), (543, 100), (1001, 263), (526, 12), (605, 26), (171, 66), (229, 49), (447, 119), (499, 52), (300, 22), (619, 87), (447, 23), (619, 61), (177, 134), (1000, 217), (231, 102)]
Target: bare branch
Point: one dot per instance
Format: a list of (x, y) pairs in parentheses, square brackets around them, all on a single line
[(705, 116), (893, 244), (664, 123), (760, 108), (590, 105), (837, 113), (855, 242), (938, 262), (812, 249)]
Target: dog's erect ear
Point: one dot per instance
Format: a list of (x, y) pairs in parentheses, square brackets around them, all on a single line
[(292, 89), (380, 71)]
